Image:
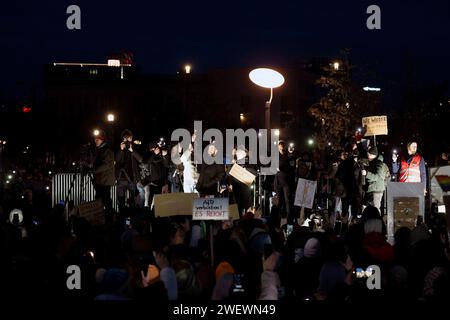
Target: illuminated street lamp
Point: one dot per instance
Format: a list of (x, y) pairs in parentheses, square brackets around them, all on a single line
[(270, 79), (187, 69), (310, 142), (96, 132), (336, 66), (110, 117)]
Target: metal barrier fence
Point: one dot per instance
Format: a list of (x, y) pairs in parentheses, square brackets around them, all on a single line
[(82, 190)]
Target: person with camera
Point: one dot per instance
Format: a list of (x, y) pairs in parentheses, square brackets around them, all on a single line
[(104, 177), (127, 170), (377, 174), (157, 165)]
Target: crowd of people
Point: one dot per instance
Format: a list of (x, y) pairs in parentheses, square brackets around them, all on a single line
[(283, 253)]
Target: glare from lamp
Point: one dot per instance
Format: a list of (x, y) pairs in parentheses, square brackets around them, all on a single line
[(266, 78)]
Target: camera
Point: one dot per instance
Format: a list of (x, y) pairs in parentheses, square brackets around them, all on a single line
[(127, 144), (363, 163), (15, 219)]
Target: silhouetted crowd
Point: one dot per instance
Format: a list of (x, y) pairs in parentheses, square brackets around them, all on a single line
[(330, 252)]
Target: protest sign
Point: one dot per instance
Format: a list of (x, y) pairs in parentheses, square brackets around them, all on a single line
[(304, 196), (375, 126), (93, 212), (233, 212), (210, 209), (242, 174), (173, 204)]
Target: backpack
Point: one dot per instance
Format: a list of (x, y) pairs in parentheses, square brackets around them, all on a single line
[(144, 172)]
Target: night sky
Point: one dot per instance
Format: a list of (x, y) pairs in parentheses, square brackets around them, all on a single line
[(163, 35)]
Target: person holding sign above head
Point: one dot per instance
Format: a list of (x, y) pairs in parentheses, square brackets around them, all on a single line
[(242, 192), (410, 169)]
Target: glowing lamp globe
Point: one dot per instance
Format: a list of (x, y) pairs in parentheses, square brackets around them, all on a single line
[(266, 78)]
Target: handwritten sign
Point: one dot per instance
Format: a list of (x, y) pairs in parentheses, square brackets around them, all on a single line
[(242, 175), (375, 126), (304, 195), (174, 204), (93, 212), (210, 209)]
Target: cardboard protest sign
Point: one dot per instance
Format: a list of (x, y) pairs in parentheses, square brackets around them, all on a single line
[(210, 209), (375, 126), (174, 204), (93, 212), (304, 196), (233, 212), (242, 174)]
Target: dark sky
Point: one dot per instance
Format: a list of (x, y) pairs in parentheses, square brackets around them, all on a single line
[(163, 35)]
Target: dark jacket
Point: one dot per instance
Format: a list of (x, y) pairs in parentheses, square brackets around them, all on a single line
[(158, 167), (376, 175), (285, 177), (349, 174), (128, 162), (104, 166), (210, 175)]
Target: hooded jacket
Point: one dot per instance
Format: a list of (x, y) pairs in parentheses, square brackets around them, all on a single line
[(376, 175)]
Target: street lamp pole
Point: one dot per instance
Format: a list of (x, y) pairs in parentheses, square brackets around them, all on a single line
[(267, 111), (270, 79)]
